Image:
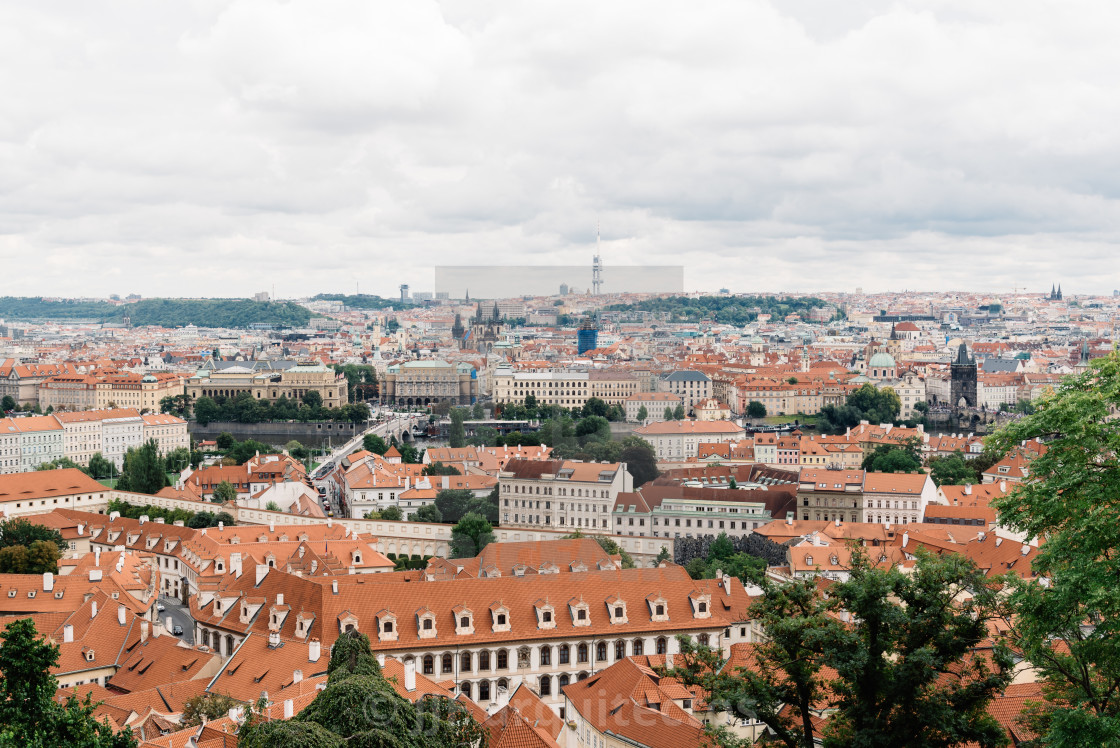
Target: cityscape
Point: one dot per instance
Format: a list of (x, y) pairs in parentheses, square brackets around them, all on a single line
[(637, 375)]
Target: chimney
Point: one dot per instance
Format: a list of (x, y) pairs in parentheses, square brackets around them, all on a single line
[(120, 563), (330, 522), (143, 631), (837, 521), (93, 609), (727, 584), (410, 674), (1025, 549), (313, 650), (905, 538), (262, 572), (1003, 486), (669, 660), (503, 698), (48, 581), (381, 659), (274, 640), (446, 481), (297, 676), (122, 613), (235, 564), (789, 518), (271, 527), (967, 489), (114, 515), (279, 598), (221, 526), (289, 708), (981, 536), (97, 557), (143, 518), (334, 586), (81, 529)]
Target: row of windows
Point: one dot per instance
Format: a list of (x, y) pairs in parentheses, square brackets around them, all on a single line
[(565, 655)]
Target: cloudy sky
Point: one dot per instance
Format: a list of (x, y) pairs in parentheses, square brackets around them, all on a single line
[(220, 148)]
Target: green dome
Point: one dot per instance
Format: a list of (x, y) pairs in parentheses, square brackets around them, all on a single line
[(882, 361)]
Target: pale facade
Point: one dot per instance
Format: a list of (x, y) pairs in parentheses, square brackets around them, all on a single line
[(690, 386), (558, 494), (655, 404), (675, 440), (568, 389), (429, 382), (292, 383), (169, 432)]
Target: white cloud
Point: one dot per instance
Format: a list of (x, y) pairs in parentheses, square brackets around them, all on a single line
[(218, 148)]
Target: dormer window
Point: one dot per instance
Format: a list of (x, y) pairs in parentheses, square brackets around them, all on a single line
[(426, 623), (658, 608), (464, 620), (386, 626), (499, 617), (546, 615), (701, 604)]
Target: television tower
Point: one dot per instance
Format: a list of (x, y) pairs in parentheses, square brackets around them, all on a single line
[(597, 266)]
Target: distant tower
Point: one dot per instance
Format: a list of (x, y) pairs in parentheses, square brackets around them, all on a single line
[(587, 339), (597, 267), (962, 385), (1059, 292), (404, 292)]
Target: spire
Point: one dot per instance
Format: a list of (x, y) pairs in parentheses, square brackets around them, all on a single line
[(1059, 292), (1053, 292)]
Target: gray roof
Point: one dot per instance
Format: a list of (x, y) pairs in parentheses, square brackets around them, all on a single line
[(687, 375), (1000, 365)]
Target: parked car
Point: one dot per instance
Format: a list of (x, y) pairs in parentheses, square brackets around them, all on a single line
[(178, 630), (160, 607)]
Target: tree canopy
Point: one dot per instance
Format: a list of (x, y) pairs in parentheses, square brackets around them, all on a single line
[(470, 535), (30, 717), (161, 312), (1068, 616), (864, 404)]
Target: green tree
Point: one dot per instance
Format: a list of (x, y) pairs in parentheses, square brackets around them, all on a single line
[(721, 548), (29, 713), (678, 412), (593, 428), (453, 503), (457, 435), (477, 413), (907, 669), (225, 440), (20, 531), (409, 454), (886, 458), (614, 549), (392, 514), (313, 399), (14, 559), (668, 414), (272, 506), (663, 555), (438, 468), (1068, 627), (242, 452), (359, 707), (374, 443), (208, 706), (640, 459), (755, 409), (595, 407), (143, 470), (643, 414), (428, 513), (470, 535), (224, 492), (8, 403), (43, 556), (953, 470), (206, 411)]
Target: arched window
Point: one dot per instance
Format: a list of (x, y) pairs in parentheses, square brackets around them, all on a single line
[(703, 639), (639, 647), (429, 665), (601, 652), (465, 662), (662, 645), (546, 655), (564, 680), (581, 653), (503, 659), (484, 660), (484, 691), (503, 684), (465, 688), (565, 654), (448, 664), (546, 685), (582, 676), (619, 650)]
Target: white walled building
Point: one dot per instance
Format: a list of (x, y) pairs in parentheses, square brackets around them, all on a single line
[(677, 440), (557, 494)]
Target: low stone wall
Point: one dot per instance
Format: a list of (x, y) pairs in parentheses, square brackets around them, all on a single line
[(279, 433)]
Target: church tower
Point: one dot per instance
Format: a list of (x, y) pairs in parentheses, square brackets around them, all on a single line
[(962, 387)]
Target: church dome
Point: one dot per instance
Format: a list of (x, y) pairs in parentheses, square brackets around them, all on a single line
[(881, 361)]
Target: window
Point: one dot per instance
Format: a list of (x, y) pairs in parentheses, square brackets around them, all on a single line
[(503, 659), (483, 660), (564, 680), (429, 665), (427, 624), (465, 662), (660, 610), (546, 655), (618, 611), (564, 654), (581, 615), (639, 647), (703, 639), (601, 652), (447, 665), (501, 619), (702, 607), (465, 622), (619, 650), (465, 688), (546, 616), (484, 691), (662, 645), (581, 653)]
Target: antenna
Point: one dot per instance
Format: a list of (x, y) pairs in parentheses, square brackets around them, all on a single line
[(597, 265)]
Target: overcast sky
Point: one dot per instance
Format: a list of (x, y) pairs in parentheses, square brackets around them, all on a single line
[(220, 148)]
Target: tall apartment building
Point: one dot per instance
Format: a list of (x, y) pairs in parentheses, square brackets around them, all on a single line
[(859, 496), (560, 493), (39, 440)]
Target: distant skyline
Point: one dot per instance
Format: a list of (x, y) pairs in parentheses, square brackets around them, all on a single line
[(224, 148)]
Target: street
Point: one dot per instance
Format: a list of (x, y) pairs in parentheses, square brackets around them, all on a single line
[(180, 615)]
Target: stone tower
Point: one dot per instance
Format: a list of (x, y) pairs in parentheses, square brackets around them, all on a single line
[(962, 388)]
